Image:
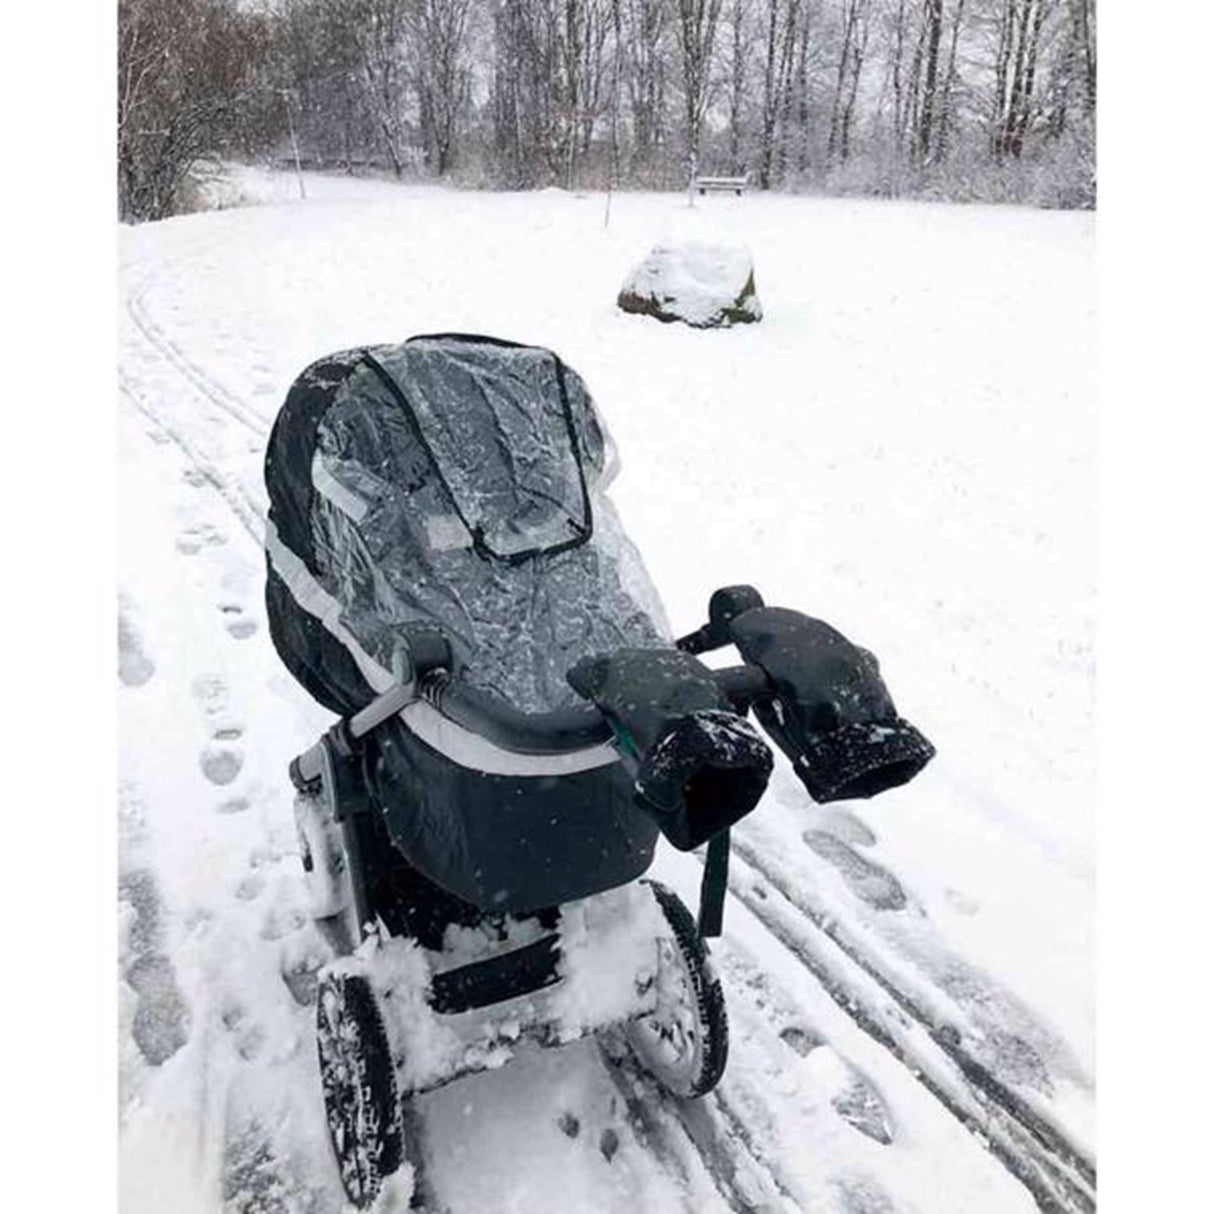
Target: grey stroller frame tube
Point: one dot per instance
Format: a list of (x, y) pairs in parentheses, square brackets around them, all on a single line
[(309, 766)]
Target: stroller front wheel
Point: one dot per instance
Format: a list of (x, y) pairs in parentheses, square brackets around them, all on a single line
[(684, 1041), (361, 1105)]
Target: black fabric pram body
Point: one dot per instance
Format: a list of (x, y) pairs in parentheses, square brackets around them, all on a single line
[(457, 483)]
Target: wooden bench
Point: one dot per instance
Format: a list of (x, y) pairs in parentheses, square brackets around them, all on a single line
[(723, 185)]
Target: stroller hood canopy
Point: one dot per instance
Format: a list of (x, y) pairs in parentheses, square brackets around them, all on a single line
[(509, 435), (454, 482)]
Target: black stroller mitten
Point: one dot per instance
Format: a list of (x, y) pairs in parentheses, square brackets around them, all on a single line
[(830, 711), (699, 766)]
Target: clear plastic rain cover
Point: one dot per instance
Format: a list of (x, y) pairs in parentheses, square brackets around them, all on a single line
[(460, 483)]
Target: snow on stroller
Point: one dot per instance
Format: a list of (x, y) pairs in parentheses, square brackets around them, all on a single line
[(446, 573)]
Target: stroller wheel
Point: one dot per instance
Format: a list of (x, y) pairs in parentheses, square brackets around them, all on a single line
[(684, 1042), (361, 1105)]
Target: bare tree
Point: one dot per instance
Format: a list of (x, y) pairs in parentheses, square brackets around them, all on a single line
[(441, 47), (645, 26), (695, 36), (1016, 103), (1071, 91), (585, 29), (184, 70), (320, 75), (380, 30), (547, 83), (780, 42), (739, 50), (933, 26), (807, 49), (899, 36), (946, 119), (853, 43)]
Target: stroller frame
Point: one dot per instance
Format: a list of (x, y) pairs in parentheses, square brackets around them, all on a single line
[(397, 1016)]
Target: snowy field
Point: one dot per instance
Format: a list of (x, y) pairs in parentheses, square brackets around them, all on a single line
[(903, 446)]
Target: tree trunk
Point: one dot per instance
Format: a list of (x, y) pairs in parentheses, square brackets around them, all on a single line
[(933, 17)]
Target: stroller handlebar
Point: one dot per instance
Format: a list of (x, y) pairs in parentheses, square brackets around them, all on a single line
[(559, 731), (499, 722), (487, 715)]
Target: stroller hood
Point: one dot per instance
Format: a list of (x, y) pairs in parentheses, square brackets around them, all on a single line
[(509, 437), (449, 482)]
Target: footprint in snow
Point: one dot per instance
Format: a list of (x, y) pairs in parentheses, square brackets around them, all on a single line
[(250, 887), (961, 903), (221, 764), (211, 693), (301, 978), (249, 1037), (195, 477), (233, 805), (138, 889), (193, 539), (257, 1180), (252, 1183), (609, 1144), (800, 1039), (238, 624), (863, 1195), (281, 923), (847, 827), (569, 1125), (134, 665), (866, 879), (160, 1025), (863, 1109), (250, 1045), (852, 1094), (132, 817)]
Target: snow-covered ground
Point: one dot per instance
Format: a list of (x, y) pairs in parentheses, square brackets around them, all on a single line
[(903, 446)]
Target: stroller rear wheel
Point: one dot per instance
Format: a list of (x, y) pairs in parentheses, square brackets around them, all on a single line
[(361, 1104), (684, 1042)]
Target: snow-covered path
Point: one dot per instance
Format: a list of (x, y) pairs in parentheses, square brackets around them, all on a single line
[(902, 447)]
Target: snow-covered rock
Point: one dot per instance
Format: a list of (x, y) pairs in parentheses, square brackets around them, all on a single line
[(703, 285)]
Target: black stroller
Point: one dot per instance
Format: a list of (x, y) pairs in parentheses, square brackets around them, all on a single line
[(446, 573)]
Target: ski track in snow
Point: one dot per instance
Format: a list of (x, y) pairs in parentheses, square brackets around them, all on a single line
[(906, 1046), (1059, 1174)]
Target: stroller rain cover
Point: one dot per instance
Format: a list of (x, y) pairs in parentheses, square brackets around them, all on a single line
[(454, 482), (457, 482)]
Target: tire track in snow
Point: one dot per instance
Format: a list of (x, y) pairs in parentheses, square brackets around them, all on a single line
[(728, 1133), (214, 391), (1058, 1175), (677, 1132), (947, 1036), (234, 497)]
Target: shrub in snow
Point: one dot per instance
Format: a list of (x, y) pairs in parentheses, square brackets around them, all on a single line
[(703, 285)]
